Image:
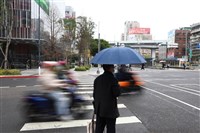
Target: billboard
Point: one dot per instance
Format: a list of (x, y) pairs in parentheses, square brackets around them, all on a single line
[(139, 31)]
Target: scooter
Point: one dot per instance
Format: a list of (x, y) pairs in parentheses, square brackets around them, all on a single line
[(37, 105), (130, 84)]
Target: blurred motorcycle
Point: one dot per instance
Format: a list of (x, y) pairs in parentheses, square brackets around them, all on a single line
[(37, 105), (129, 82)]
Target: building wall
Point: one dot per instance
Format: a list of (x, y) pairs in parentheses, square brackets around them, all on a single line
[(69, 12), (195, 42), (22, 46), (21, 19), (182, 39), (133, 32), (35, 28)]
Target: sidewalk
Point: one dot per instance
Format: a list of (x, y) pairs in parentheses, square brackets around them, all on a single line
[(34, 73)]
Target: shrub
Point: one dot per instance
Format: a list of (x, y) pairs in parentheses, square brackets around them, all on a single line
[(87, 67), (9, 72), (81, 68)]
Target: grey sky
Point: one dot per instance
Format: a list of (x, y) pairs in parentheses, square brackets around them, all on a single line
[(159, 15)]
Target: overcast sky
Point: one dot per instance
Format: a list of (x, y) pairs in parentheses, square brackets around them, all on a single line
[(160, 16)]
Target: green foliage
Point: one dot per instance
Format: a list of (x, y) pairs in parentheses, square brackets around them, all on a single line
[(9, 72), (87, 67), (94, 46), (73, 58), (85, 31), (82, 68)]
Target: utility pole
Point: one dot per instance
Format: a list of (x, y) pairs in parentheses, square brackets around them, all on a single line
[(186, 48), (99, 47), (39, 71)]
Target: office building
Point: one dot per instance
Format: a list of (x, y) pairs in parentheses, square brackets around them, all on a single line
[(194, 52)]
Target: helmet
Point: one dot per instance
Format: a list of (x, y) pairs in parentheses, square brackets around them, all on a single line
[(47, 64)]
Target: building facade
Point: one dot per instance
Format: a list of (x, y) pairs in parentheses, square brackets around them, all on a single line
[(21, 19), (195, 43), (16, 16), (69, 12), (133, 32), (182, 37)]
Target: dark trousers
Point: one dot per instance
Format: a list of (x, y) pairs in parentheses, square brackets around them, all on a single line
[(101, 122)]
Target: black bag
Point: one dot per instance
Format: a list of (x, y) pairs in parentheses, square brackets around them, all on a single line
[(91, 125)]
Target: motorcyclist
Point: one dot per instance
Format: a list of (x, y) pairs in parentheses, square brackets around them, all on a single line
[(123, 74), (52, 85)]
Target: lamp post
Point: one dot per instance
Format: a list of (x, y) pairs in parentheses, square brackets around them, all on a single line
[(39, 39), (99, 46), (186, 48)]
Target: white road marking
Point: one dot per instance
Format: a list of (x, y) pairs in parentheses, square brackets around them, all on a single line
[(85, 85), (20, 86), (90, 107), (84, 92), (174, 88), (173, 98), (2, 87), (185, 88), (37, 85), (188, 84), (85, 88), (72, 123)]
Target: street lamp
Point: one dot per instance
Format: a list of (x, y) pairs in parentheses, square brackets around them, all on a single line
[(99, 46)]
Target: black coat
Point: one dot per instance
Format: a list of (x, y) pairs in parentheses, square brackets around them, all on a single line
[(106, 91)]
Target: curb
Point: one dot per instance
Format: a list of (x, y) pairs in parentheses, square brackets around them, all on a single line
[(20, 76)]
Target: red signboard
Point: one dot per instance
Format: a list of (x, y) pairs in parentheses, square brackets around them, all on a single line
[(139, 31)]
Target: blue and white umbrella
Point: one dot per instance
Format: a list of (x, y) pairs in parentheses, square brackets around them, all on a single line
[(118, 55)]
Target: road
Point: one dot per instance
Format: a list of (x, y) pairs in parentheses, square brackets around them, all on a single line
[(169, 103)]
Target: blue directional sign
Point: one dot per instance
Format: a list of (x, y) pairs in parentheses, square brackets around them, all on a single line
[(198, 45)]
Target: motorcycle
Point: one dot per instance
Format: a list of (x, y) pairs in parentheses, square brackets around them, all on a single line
[(37, 105), (129, 82)]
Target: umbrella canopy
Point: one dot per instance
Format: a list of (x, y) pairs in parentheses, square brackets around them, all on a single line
[(118, 55)]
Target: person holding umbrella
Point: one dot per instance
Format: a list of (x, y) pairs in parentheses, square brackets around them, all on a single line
[(106, 91)]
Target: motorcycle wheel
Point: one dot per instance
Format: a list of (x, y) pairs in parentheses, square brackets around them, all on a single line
[(78, 110), (29, 113)]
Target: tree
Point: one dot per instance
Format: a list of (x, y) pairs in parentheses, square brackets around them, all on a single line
[(69, 35), (84, 37), (6, 25), (94, 46), (54, 26)]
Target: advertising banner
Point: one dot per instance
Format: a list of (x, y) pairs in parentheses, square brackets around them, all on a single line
[(139, 31), (44, 4)]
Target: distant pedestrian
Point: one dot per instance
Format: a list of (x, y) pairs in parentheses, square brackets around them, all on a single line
[(167, 66), (142, 67), (106, 91), (163, 65), (184, 66)]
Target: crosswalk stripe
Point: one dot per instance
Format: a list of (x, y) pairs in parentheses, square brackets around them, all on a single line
[(85, 85), (4, 87), (85, 88), (90, 107), (72, 123), (84, 92)]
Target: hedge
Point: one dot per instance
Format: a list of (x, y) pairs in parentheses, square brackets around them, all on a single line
[(10, 72)]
